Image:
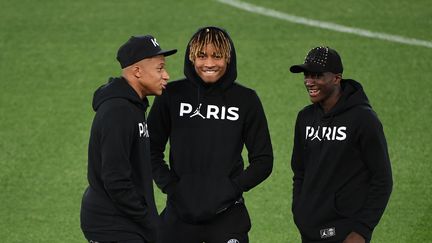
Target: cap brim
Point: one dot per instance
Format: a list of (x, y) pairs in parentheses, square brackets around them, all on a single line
[(306, 67), (167, 53)]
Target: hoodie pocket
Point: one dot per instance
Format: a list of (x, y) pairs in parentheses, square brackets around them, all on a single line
[(198, 198), (348, 202)]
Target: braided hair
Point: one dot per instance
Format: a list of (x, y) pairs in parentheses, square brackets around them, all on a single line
[(210, 36)]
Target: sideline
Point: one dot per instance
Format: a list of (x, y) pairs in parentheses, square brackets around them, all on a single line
[(325, 25)]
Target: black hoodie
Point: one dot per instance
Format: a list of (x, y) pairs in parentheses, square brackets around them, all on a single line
[(342, 174), (119, 202), (206, 170)]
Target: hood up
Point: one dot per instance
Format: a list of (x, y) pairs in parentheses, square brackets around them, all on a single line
[(224, 82)]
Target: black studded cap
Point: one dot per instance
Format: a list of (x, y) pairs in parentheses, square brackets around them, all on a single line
[(138, 48), (319, 60)]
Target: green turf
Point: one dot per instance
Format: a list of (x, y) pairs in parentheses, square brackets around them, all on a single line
[(53, 54)]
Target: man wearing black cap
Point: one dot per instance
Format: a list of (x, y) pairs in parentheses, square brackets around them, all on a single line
[(342, 176), (118, 205)]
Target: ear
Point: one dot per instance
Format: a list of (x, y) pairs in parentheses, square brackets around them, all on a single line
[(337, 78), (136, 71)]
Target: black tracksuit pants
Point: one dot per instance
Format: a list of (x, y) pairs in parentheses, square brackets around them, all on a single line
[(230, 226)]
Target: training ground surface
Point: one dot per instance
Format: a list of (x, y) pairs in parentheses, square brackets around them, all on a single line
[(54, 54)]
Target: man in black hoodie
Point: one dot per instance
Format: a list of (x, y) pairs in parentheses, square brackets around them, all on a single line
[(118, 205), (208, 118), (342, 175)]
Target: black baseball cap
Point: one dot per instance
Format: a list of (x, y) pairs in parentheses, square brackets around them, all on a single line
[(319, 60), (138, 48)]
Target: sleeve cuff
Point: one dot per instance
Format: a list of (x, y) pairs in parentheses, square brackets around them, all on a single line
[(363, 230)]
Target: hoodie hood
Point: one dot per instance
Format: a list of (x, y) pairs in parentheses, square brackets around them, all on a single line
[(117, 88), (352, 95), (225, 81)]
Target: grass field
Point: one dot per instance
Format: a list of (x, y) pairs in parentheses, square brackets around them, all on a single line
[(54, 54)]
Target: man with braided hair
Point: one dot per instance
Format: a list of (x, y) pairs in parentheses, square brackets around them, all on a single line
[(208, 119)]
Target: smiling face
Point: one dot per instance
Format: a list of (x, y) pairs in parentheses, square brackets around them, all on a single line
[(323, 88), (210, 53), (210, 64)]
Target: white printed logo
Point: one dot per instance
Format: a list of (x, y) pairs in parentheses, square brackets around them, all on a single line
[(197, 112), (326, 233), (154, 42), (326, 133), (143, 131), (233, 241), (212, 112)]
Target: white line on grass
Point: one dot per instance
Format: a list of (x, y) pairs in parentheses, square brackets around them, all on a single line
[(325, 25)]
